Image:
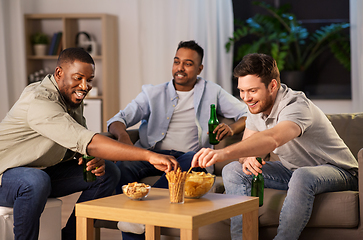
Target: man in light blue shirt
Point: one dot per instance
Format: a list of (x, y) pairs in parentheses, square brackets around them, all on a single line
[(155, 105), (174, 116)]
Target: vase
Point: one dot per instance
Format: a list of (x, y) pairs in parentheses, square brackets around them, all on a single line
[(40, 49), (293, 79)]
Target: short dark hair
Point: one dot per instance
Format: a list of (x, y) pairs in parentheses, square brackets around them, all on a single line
[(69, 55), (193, 46), (259, 64)]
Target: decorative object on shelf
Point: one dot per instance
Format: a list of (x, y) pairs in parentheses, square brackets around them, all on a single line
[(282, 36), (40, 43), (38, 75), (88, 45)]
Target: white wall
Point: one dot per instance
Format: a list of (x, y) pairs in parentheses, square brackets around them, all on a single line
[(335, 106)]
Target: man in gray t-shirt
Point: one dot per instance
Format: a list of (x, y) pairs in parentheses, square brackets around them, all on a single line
[(313, 158)]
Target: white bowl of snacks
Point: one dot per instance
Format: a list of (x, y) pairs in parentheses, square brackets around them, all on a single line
[(136, 191), (198, 184)]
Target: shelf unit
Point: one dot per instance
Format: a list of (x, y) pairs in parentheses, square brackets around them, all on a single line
[(103, 29)]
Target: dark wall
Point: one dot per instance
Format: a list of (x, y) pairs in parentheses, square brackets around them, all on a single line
[(327, 78)]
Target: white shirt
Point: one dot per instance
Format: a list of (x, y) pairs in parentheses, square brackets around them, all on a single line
[(182, 126), (155, 106)]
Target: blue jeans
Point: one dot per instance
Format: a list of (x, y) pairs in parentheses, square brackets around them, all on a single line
[(27, 189), (302, 185), (134, 171)]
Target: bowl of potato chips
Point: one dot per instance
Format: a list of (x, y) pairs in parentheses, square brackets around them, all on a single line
[(136, 191), (198, 184)]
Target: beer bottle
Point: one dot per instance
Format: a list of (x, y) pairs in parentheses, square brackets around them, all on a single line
[(258, 183), (212, 124), (88, 176)]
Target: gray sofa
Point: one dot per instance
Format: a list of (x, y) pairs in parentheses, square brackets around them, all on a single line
[(336, 215)]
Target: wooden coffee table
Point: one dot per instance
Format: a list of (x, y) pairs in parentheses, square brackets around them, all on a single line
[(156, 211)]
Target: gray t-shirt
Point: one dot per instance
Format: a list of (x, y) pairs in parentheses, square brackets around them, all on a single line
[(318, 143), (40, 128)]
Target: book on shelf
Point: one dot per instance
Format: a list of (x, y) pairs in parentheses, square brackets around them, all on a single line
[(60, 46), (52, 43), (57, 43)]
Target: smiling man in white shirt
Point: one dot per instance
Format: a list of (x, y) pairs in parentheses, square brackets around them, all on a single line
[(174, 117)]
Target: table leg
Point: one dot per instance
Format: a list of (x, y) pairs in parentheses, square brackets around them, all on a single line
[(84, 228), (250, 225), (152, 232), (187, 234)]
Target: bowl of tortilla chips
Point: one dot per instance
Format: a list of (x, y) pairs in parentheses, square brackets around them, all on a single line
[(198, 184)]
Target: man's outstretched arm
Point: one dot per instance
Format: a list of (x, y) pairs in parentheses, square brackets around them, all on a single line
[(107, 148), (258, 144)]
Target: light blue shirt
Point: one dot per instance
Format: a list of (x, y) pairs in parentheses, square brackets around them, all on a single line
[(154, 107)]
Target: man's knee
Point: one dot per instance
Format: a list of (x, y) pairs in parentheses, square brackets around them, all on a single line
[(36, 182), (186, 158), (231, 170), (190, 154), (302, 178)]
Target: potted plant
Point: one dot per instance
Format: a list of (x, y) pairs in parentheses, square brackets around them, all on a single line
[(40, 43), (280, 35)]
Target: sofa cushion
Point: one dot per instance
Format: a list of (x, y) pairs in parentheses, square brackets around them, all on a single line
[(333, 209), (336, 209), (349, 128)]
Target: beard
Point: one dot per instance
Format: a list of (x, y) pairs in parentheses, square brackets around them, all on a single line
[(268, 104), (68, 100), (265, 105)]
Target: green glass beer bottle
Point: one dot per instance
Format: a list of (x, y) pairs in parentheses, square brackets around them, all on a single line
[(88, 176), (258, 183), (212, 124)]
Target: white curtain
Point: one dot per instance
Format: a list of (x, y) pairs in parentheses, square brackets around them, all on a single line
[(161, 25), (4, 103), (12, 54), (356, 34)]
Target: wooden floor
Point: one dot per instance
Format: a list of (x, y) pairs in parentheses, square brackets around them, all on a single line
[(67, 208)]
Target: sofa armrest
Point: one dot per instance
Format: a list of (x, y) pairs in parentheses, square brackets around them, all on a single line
[(360, 184)]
